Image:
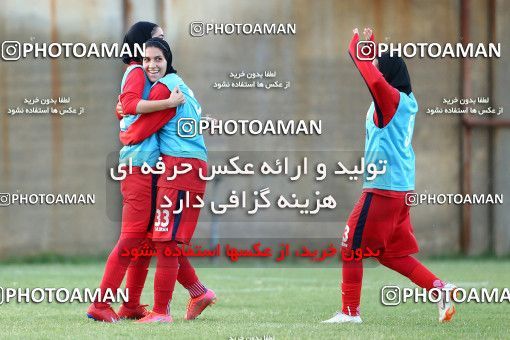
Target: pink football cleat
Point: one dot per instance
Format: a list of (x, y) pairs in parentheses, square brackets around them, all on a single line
[(197, 305)]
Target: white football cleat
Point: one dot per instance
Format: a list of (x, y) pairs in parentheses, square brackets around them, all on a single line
[(445, 305), (343, 318)]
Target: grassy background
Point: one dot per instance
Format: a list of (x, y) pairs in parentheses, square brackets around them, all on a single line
[(253, 302)]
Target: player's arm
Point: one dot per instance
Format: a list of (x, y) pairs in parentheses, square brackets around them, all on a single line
[(131, 101), (385, 96), (149, 124)]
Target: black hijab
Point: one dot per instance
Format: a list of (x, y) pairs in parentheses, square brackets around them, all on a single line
[(395, 72), (165, 48), (138, 34)]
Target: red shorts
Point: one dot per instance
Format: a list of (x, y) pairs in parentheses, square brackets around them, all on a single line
[(139, 202), (381, 225), (177, 222)]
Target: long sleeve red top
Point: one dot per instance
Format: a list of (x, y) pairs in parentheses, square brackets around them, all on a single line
[(385, 96), (132, 92), (149, 123)]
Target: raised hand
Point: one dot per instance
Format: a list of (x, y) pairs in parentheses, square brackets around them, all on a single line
[(368, 32)]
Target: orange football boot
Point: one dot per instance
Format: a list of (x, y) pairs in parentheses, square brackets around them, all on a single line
[(102, 314), (132, 313), (198, 304), (155, 317)]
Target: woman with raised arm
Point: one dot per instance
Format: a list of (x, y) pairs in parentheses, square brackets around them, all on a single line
[(380, 223)]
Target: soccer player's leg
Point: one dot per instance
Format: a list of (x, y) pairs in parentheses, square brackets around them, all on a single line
[(367, 230), (352, 276), (136, 190), (352, 271), (139, 267), (164, 283), (115, 270), (167, 221), (397, 257), (135, 282), (200, 296)]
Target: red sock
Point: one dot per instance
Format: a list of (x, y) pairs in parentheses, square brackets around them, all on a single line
[(352, 277), (414, 270), (136, 276), (116, 267), (189, 279), (165, 277)]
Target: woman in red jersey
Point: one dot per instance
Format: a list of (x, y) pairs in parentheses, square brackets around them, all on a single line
[(137, 190), (175, 223), (380, 223)]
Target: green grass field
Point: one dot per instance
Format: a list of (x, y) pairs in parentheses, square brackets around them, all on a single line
[(282, 303)]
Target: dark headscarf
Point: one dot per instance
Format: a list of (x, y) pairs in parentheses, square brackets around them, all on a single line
[(138, 34), (395, 72), (165, 48)]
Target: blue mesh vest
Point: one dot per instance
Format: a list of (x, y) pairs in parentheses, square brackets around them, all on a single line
[(393, 144), (180, 136), (147, 150)]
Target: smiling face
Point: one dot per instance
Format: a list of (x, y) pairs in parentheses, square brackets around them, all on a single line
[(154, 63)]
